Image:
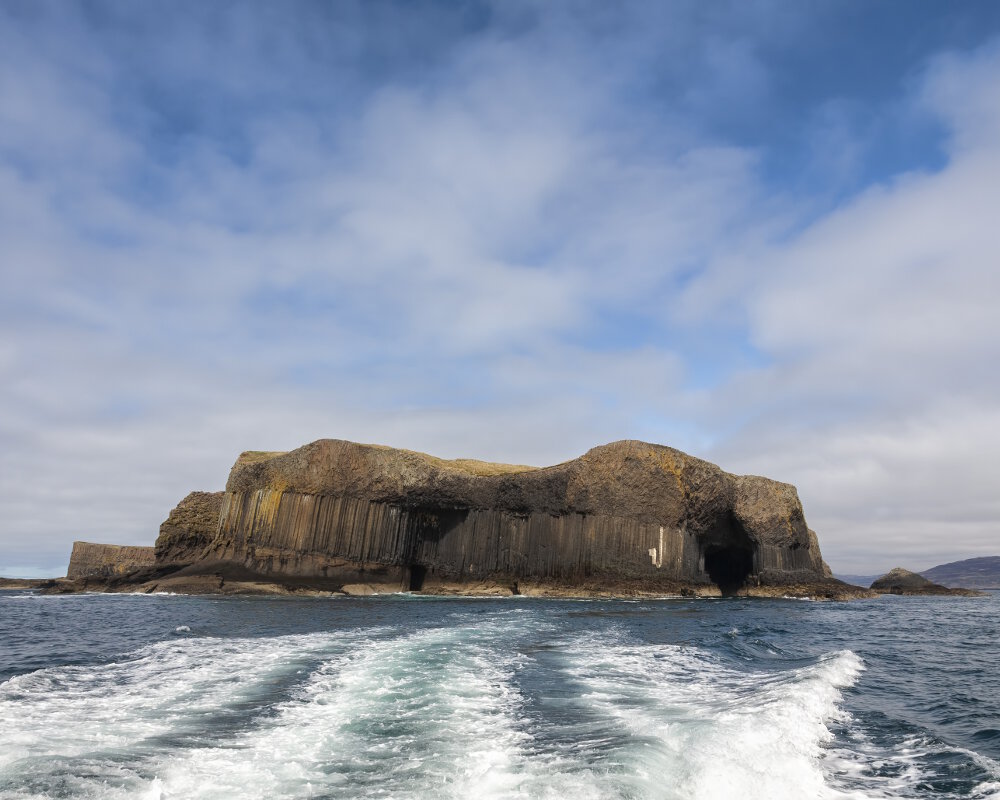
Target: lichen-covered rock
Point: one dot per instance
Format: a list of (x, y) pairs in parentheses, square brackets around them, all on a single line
[(102, 562), (625, 517), (190, 528)]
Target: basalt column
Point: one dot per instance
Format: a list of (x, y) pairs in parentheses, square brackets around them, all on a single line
[(628, 516)]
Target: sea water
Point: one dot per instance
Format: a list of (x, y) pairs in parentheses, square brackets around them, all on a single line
[(135, 696)]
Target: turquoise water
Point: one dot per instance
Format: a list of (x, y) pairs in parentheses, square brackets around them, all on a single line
[(125, 696)]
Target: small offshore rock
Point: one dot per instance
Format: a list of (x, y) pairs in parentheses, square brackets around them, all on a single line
[(903, 582)]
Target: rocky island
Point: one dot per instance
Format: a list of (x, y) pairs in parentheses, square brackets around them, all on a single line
[(625, 519), (902, 581)]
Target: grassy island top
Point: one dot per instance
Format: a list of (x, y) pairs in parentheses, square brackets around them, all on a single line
[(469, 466)]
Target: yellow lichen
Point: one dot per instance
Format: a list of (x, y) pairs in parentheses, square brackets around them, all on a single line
[(257, 456), (665, 460), (469, 466)]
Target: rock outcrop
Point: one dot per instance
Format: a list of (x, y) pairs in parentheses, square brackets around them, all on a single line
[(902, 581), (190, 528), (102, 562), (627, 518), (26, 583), (624, 518)]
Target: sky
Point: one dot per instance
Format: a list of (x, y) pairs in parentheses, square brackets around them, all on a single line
[(767, 234)]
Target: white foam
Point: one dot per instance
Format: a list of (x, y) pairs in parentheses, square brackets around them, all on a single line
[(714, 731), (155, 790), (433, 714), (407, 714), (990, 790), (361, 717), (106, 710), (438, 713)]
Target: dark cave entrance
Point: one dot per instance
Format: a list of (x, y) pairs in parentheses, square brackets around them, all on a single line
[(728, 567), (427, 526), (418, 573), (728, 557)]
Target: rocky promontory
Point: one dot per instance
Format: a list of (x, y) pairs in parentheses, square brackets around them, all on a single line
[(902, 581), (190, 528), (90, 561), (26, 583), (627, 518), (100, 567)]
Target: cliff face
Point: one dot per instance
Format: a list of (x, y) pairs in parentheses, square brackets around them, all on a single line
[(105, 561), (627, 516), (190, 528)]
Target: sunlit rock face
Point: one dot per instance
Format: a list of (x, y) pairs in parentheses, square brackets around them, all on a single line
[(625, 517), (101, 562), (190, 528)]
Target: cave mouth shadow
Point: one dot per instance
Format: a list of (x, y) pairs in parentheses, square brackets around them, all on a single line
[(418, 573), (729, 566), (430, 524)]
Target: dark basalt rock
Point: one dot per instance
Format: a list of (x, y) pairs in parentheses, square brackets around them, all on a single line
[(102, 562), (190, 528), (624, 518), (627, 518), (902, 581), (26, 583)]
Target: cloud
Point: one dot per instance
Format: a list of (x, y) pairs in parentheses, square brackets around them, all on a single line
[(512, 234), (878, 321)]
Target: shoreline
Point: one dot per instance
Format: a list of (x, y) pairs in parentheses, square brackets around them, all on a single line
[(220, 585), (26, 583)]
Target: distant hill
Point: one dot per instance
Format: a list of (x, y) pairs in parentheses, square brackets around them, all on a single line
[(972, 573)]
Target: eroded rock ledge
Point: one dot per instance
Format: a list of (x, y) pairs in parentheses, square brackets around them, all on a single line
[(101, 562), (625, 519)]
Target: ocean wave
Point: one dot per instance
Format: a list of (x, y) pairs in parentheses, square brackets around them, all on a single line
[(398, 717), (159, 691), (510, 703), (716, 730)]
